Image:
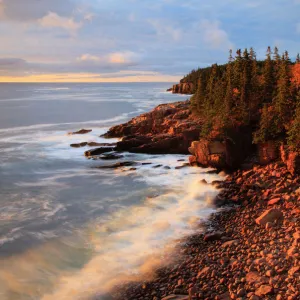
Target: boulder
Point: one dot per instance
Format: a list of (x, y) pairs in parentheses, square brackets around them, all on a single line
[(264, 290), (214, 236), (81, 131), (119, 165), (291, 159), (227, 153), (78, 145), (98, 151), (111, 156), (270, 216), (176, 297), (95, 144)]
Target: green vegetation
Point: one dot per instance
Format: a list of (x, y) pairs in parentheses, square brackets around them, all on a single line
[(245, 92)]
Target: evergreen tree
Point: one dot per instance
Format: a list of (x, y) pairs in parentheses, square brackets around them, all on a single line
[(268, 75)]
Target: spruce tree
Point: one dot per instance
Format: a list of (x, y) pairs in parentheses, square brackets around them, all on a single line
[(268, 75)]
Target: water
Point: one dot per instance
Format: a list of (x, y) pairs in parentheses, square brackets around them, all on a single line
[(67, 229)]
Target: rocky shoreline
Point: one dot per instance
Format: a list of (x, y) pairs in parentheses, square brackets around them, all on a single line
[(249, 251)]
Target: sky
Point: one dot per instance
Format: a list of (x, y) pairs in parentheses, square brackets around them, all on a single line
[(136, 40)]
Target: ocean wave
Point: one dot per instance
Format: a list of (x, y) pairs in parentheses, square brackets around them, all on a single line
[(41, 126)]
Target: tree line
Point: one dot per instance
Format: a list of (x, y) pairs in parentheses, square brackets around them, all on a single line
[(261, 94)]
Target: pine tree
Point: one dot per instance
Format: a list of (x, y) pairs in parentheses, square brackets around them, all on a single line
[(282, 98), (276, 56), (198, 98), (268, 74)]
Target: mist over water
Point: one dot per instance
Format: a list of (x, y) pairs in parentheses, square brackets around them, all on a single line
[(69, 230)]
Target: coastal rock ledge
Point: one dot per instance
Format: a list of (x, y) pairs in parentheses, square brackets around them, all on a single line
[(168, 129)]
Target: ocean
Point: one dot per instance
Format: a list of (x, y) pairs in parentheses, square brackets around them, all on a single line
[(69, 230)]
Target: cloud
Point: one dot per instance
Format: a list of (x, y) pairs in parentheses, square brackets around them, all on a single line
[(89, 58), (122, 57), (52, 20), (8, 63), (115, 58), (16, 10), (132, 17), (165, 30), (214, 36), (89, 17)]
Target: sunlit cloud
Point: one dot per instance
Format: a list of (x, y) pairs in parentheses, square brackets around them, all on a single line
[(53, 20), (215, 36), (108, 37)]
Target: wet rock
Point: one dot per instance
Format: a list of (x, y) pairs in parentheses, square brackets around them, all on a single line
[(182, 166), (214, 236), (119, 165), (95, 144), (79, 145), (98, 151), (111, 156), (81, 131)]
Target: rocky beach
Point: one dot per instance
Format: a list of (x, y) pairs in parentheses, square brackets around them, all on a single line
[(249, 249)]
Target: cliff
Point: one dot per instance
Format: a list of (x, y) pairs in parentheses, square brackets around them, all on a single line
[(173, 129), (183, 88), (169, 128)]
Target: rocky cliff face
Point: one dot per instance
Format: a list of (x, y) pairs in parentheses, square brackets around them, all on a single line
[(183, 88), (167, 129), (172, 129)]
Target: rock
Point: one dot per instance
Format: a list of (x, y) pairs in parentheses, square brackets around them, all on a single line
[(294, 270), (221, 154), (203, 271), (98, 151), (264, 290), (176, 297), (271, 215), (157, 166), (110, 156), (81, 131), (94, 144), (268, 152), (79, 145), (214, 236), (274, 201), (182, 166), (167, 129), (230, 243), (291, 159), (254, 297), (118, 165), (192, 160), (241, 292), (253, 277)]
